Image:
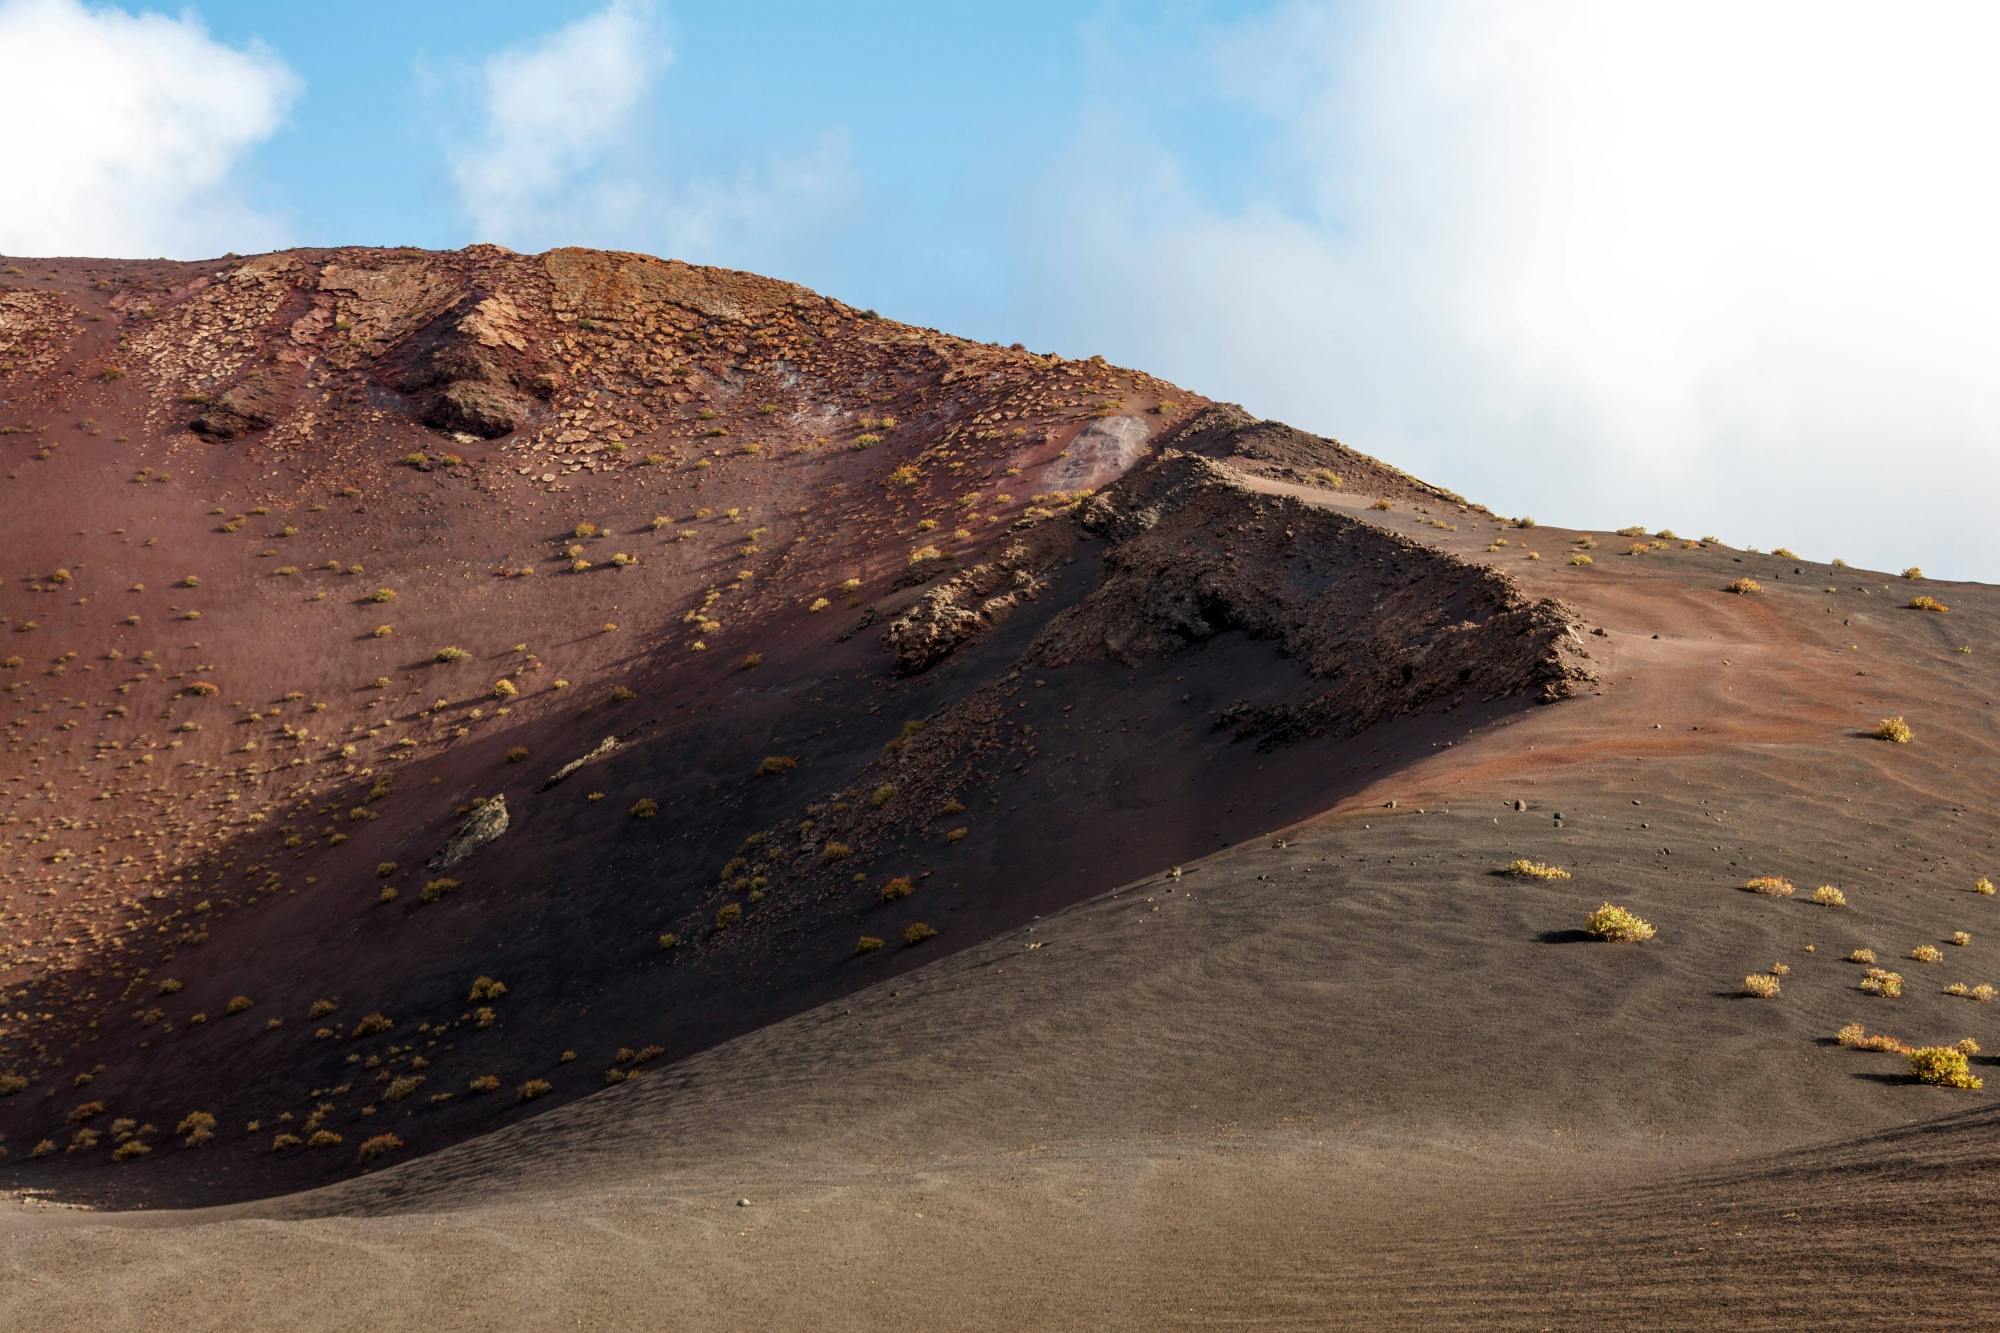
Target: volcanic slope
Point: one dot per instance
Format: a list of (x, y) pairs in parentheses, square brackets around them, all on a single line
[(1199, 742)]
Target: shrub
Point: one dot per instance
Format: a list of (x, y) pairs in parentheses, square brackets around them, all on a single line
[(668, 939), (899, 887), (835, 851), (918, 931), (435, 889), (450, 653), (1961, 937), (505, 689), (1526, 869), (1760, 984), (323, 1138), (198, 1126), (1857, 1038), (1771, 886), (399, 1088), (645, 808), (280, 1142), (868, 944), (238, 1004), (484, 1083), (129, 1149), (1879, 981), (1924, 602), (728, 915), (12, 1083), (1744, 586), (533, 1088), (517, 754), (1893, 729), (1615, 923), (1927, 953), (1579, 558), (1943, 1067), (381, 1145), (1862, 956), (1826, 895), (774, 764), (372, 1023), (1983, 885)]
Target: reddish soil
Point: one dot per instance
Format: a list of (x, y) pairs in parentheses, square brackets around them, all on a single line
[(1228, 1016)]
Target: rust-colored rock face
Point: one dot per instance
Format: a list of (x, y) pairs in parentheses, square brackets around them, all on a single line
[(379, 620)]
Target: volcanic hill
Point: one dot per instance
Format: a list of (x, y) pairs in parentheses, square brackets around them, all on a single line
[(538, 747)]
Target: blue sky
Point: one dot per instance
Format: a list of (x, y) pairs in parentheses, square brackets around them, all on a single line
[(949, 116), (1726, 267)]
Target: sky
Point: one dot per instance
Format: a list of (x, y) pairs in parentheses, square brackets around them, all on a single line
[(1725, 268)]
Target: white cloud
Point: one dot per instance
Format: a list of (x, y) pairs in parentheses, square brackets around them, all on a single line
[(1724, 267), (123, 133), (562, 157)]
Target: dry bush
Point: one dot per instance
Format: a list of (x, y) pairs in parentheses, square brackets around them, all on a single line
[(1744, 586), (198, 1126), (1615, 923), (645, 808), (1893, 729), (899, 887), (1927, 953), (1862, 956), (1760, 984), (381, 1145), (1961, 937), (1925, 602), (1826, 895), (918, 931), (1771, 886), (1983, 885), (773, 765), (1943, 1067), (1855, 1036), (1882, 982), (868, 944), (533, 1088), (1526, 869), (484, 1083)]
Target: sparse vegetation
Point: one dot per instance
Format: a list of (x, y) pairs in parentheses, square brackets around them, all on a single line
[(1760, 984), (1826, 895), (1745, 586), (1943, 1067), (1526, 869), (1893, 729), (1771, 886), (380, 1145), (1925, 602), (1614, 923), (1880, 981)]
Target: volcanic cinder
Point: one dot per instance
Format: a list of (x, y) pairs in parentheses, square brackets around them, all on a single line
[(584, 788)]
